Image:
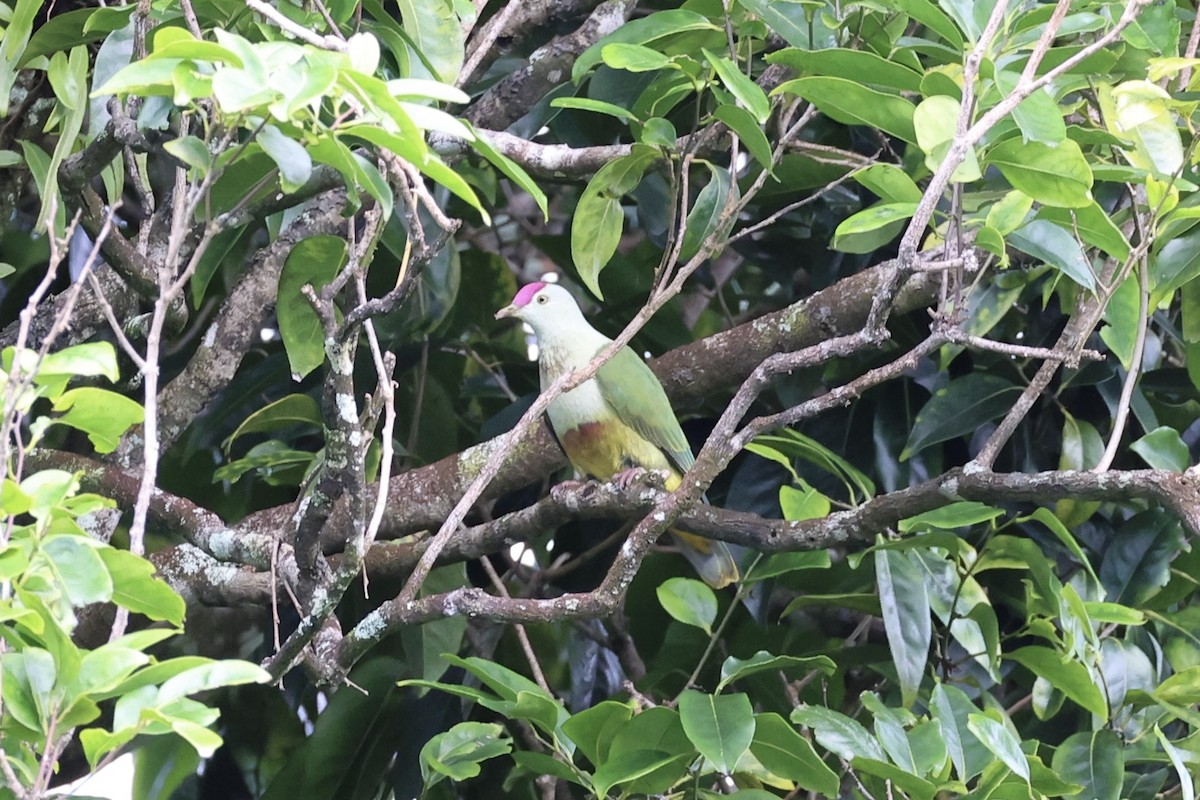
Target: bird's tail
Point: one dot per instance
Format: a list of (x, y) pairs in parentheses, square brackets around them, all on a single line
[(709, 557)]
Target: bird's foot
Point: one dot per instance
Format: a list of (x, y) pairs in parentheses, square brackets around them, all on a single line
[(627, 479), (558, 490)]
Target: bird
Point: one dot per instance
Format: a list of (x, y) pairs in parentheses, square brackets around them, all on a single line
[(618, 420)]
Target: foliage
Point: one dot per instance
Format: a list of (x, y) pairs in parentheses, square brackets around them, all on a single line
[(55, 569), (922, 278)]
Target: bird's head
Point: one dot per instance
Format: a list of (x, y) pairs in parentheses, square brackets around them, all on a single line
[(545, 307)]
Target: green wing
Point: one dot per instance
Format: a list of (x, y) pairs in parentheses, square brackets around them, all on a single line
[(638, 400)]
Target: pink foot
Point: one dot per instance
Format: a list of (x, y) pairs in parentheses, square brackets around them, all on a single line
[(559, 489), (627, 478)]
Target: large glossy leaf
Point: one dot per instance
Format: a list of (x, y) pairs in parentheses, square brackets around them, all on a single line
[(852, 104), (952, 709), (1003, 743), (689, 601), (720, 726), (861, 66), (1093, 759), (935, 123), (1070, 677), (904, 600), (1057, 247), (1038, 116), (1055, 176), (779, 748), (959, 408), (599, 217), (838, 733), (709, 218), (458, 753), (312, 262), (650, 31), (1136, 563), (437, 35)]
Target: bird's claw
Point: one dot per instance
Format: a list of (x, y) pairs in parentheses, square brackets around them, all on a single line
[(558, 490)]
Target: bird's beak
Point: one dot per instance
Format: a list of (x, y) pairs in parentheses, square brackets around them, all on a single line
[(509, 310)]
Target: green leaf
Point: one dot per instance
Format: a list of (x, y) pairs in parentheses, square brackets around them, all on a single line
[(293, 161), (458, 752), (747, 92), (904, 599), (892, 184), (1176, 264), (786, 753), (104, 668), (1123, 315), (1001, 741), (1163, 448), (849, 236), (633, 58), (596, 226), (951, 708), (861, 66), (1143, 114), (1055, 246), (1009, 212), (592, 729), (313, 261), (437, 34), (803, 503), (631, 766), (1187, 781), (212, 675), (192, 151), (511, 169), (852, 104), (782, 563), (658, 132), (933, 18), (720, 726), (657, 730), (1038, 116), (103, 415), (12, 45), (962, 514), (1093, 759), (689, 601), (294, 409), (793, 444), (598, 106), (79, 568), (649, 30), (1047, 518), (1182, 688), (794, 22), (1070, 677), (1093, 225), (959, 408), (595, 234), (742, 123), (936, 124), (1054, 176), (735, 668), (707, 219), (1137, 561), (838, 733), (136, 588)]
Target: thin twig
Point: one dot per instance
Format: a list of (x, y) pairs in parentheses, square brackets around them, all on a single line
[(297, 30)]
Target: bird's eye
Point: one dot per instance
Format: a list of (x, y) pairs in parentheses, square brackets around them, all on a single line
[(542, 299)]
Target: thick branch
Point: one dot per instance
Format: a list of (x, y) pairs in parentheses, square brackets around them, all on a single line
[(1176, 491), (511, 98)]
